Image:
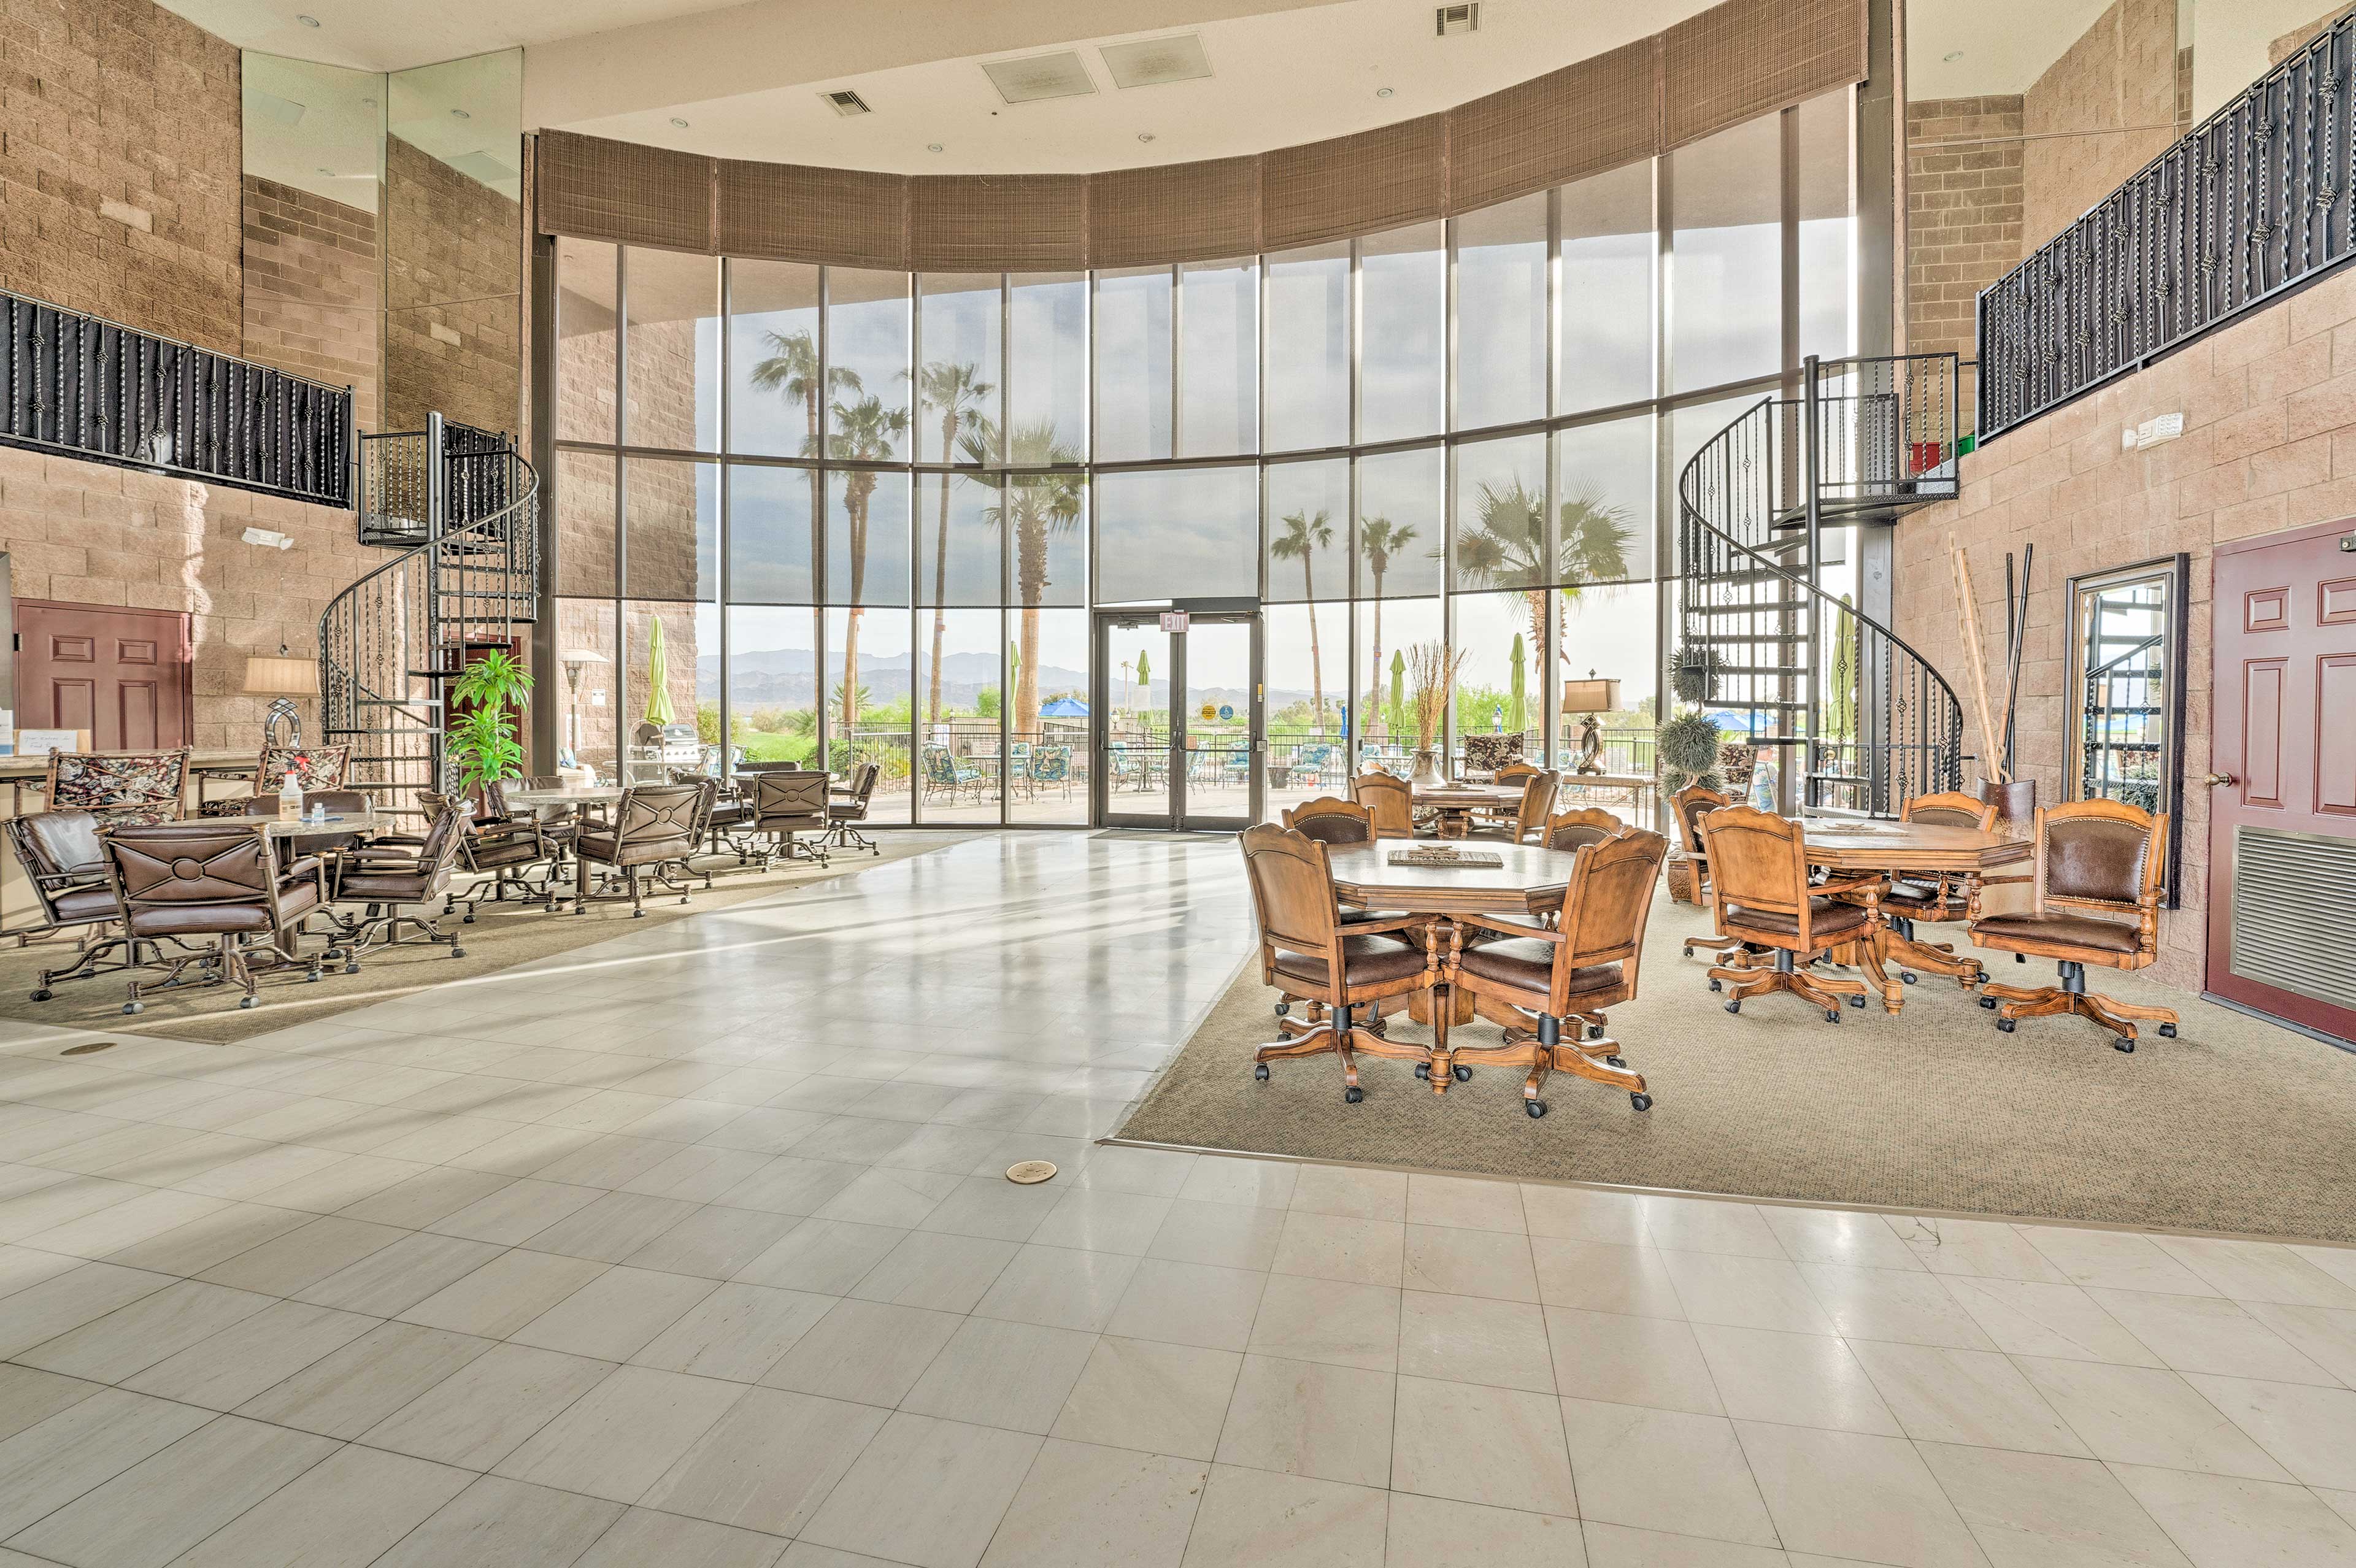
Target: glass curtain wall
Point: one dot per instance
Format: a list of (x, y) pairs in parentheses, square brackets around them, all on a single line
[(871, 511)]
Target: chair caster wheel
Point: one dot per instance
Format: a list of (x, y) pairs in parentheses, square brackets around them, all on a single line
[(2021, 958), (1716, 986), (1909, 975), (456, 952), (1735, 1005), (1353, 1094), (469, 920), (1857, 1001), (1595, 1032), (134, 1006), (637, 914), (1832, 1015), (1536, 1108), (1614, 1061), (2123, 1043), (1640, 1101), (351, 969), (1423, 1071), (42, 995), (247, 1001), (1988, 1002), (2004, 1026), (1462, 1074), (1259, 1070), (313, 978), (2167, 1032), (1283, 1009)]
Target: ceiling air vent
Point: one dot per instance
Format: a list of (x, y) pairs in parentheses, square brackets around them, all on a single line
[(1151, 61), (847, 102), (1453, 19), (1027, 80)]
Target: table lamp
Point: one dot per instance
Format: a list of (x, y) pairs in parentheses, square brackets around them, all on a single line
[(1590, 697), (283, 677)]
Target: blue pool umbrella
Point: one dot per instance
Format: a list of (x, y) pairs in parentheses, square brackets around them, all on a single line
[(1743, 723), (1064, 708)]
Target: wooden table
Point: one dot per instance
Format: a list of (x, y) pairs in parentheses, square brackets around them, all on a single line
[(1457, 802), (1863, 848), (1529, 880), (1640, 787)]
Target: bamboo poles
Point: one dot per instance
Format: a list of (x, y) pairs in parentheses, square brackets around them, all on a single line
[(1992, 758)]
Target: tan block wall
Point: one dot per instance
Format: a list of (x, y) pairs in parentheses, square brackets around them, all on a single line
[(2269, 444), (311, 290), (453, 260), (88, 534), (1964, 214), (120, 157), (2089, 117)]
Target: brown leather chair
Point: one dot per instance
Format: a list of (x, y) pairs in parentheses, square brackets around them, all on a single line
[(1691, 805), (64, 861), (1583, 826), (391, 881), (1537, 799), (218, 882), (1511, 773), (1567, 973), (1937, 897), (786, 803), (653, 828), (848, 809), (1390, 800), (1330, 820), (501, 851), (1347, 973), (1758, 874), (2096, 858)]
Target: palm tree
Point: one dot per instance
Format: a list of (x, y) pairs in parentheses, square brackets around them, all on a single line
[(955, 390), (863, 431), (1381, 539), (791, 368), (1302, 538), (1506, 547), (1036, 507)]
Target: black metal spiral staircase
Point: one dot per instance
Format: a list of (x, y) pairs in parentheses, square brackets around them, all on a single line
[(1868, 720), (464, 509)]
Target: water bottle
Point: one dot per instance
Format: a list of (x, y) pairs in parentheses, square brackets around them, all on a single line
[(290, 799)]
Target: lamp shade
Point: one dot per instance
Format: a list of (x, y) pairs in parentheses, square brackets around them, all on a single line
[(277, 674), (1593, 695)]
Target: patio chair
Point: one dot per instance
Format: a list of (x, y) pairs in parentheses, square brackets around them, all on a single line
[(1018, 767), (391, 883), (119, 788), (945, 775), (505, 851), (653, 826), (1051, 766), (847, 808), (314, 767), (62, 858), (216, 881)]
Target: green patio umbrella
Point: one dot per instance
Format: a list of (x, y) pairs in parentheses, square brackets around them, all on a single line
[(1398, 692), (659, 709), (1144, 679), (1517, 704)]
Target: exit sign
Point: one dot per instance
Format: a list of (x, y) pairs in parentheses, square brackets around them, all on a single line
[(1173, 620)]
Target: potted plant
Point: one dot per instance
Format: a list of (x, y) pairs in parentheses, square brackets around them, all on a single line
[(485, 696), (1687, 747), (1433, 668)]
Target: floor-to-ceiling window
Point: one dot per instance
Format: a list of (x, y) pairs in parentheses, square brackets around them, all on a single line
[(872, 511)]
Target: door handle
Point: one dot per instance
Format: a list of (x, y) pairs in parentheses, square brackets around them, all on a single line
[(2216, 779)]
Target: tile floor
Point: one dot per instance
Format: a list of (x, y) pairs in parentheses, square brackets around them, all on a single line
[(692, 1249)]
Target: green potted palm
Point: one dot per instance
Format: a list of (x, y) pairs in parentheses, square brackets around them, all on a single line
[(483, 741)]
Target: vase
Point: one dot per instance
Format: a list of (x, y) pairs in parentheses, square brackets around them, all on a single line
[(1428, 774)]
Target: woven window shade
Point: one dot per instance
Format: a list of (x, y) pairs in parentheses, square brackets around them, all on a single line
[(1597, 114), (1747, 58), (794, 212), (1354, 184), (991, 223), (1178, 212), (597, 189)]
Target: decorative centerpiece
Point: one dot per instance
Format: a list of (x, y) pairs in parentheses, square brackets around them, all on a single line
[(1441, 855), (1432, 667)]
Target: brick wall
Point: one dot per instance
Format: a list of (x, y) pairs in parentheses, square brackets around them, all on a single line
[(310, 289), (1964, 214), (2084, 116), (120, 155), (88, 534), (453, 315), (2269, 444)]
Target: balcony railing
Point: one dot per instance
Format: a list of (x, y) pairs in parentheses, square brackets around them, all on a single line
[(2253, 204), (81, 387)]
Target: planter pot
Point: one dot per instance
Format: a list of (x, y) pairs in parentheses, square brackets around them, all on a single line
[(1681, 877), (1427, 772)]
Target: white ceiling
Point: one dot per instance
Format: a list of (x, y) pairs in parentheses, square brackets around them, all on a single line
[(2003, 46), (393, 35)]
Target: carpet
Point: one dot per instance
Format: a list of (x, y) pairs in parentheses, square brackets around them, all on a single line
[(501, 936), (2235, 1126)]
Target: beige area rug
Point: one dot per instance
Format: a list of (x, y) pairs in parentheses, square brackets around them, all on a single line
[(2236, 1126), (501, 936)]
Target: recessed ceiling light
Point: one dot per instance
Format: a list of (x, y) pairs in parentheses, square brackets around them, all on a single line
[(460, 114), (1145, 135), (1382, 93), (1953, 55), (367, 102), (308, 21), (931, 146), (325, 170), (677, 122)]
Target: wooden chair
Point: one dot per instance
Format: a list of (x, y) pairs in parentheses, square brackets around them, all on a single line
[(2094, 858), (1390, 800), (1331, 820), (1515, 772), (1583, 826), (1567, 973), (1758, 871), (1537, 799), (1937, 897), (1692, 804), (1345, 973)]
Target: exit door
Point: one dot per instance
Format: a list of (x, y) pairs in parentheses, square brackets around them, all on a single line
[(1178, 723)]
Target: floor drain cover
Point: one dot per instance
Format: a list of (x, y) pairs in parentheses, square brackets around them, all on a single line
[(86, 1049), (1030, 1172)]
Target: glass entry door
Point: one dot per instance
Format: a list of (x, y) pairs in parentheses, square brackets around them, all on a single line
[(1179, 722)]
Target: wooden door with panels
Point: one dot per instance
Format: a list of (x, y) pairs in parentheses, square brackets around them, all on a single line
[(2281, 794), (119, 673)]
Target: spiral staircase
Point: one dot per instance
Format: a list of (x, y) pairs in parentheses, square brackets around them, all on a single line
[(463, 508), (1863, 719)]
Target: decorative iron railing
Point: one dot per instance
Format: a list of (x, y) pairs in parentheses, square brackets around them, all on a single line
[(2254, 203), (81, 387), (392, 642), (1869, 719)]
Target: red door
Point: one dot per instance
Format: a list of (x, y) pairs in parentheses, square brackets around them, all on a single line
[(2282, 832), (121, 674)]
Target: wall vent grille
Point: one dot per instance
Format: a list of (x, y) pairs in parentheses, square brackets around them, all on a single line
[(847, 102), (1453, 19), (2293, 899)]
